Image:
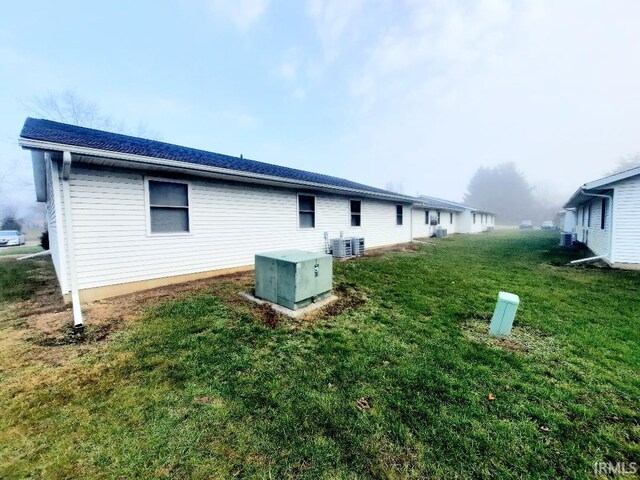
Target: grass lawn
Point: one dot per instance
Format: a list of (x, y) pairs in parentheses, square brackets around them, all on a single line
[(22, 250), (198, 387)]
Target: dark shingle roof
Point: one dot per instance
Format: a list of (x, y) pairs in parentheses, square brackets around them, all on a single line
[(73, 135), (440, 203)]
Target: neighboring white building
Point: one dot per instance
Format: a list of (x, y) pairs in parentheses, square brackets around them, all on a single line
[(606, 218), (460, 217)]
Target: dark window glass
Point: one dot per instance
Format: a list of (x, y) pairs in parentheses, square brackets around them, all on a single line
[(603, 213), (356, 212), (451, 218), (307, 211), (399, 210), (168, 207), (168, 194)]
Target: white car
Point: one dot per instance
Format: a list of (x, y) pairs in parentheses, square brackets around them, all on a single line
[(10, 238), (547, 225)]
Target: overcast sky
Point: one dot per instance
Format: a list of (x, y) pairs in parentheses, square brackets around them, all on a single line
[(419, 93)]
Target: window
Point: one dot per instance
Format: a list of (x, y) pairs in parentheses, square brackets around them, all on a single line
[(168, 207), (583, 216), (603, 213), (355, 207), (589, 217), (307, 211), (438, 218), (450, 218), (474, 218), (399, 209), (426, 217)]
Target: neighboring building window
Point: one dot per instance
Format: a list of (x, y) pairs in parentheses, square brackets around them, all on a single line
[(168, 207), (603, 213), (426, 217), (399, 209), (356, 212), (589, 217), (451, 218), (307, 211), (438, 218), (474, 218)]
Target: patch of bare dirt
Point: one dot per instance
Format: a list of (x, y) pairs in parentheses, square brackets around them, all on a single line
[(522, 340), (40, 329), (268, 315)]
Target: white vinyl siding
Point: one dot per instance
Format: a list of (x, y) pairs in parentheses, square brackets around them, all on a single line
[(626, 224), (596, 238), (422, 229), (55, 225), (230, 223)]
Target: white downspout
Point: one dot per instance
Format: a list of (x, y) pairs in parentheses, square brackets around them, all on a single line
[(73, 279), (610, 197)]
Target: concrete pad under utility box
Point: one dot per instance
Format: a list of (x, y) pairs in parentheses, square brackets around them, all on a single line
[(300, 312)]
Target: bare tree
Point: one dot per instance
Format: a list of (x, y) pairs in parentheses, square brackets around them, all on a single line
[(394, 187), (626, 163), (69, 107)]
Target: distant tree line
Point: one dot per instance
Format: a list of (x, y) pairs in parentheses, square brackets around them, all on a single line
[(503, 189)]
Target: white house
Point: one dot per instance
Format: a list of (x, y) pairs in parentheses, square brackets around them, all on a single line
[(457, 217), (127, 214), (605, 216)]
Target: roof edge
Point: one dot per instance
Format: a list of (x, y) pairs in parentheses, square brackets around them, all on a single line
[(141, 160)]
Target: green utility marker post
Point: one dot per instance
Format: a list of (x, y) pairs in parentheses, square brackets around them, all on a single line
[(503, 316)]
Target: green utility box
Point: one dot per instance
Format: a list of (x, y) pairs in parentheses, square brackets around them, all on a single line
[(293, 278), (503, 316)]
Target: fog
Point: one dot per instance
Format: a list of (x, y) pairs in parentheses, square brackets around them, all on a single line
[(420, 97)]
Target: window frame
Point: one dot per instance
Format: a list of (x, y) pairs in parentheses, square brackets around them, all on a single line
[(603, 214), (439, 217), (427, 217), (148, 207), (315, 210), (399, 216), (351, 213), (450, 218), (474, 218), (589, 216)]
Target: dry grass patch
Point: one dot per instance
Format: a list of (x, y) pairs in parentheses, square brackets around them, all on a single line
[(525, 340)]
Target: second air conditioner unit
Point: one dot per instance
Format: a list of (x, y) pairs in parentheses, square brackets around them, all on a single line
[(357, 246)]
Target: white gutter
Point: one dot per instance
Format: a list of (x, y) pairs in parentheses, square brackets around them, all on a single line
[(610, 197), (147, 160), (73, 277)]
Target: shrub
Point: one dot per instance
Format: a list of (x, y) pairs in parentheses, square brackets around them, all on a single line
[(44, 240)]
